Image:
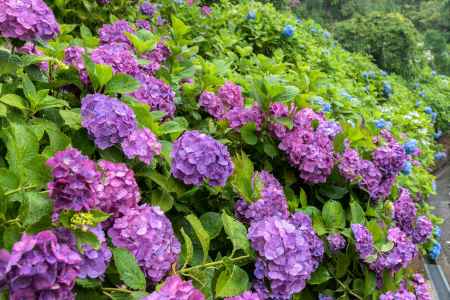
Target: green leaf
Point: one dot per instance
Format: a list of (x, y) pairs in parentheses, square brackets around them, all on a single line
[(29, 90), (303, 198), (236, 232), (177, 125), (178, 27), (72, 118), (88, 283), (14, 101), (121, 84), (212, 222), (34, 207), (128, 269), (376, 231), (104, 73), (232, 282), (289, 93), (188, 248), (50, 102), (163, 199), (201, 233), (3, 110), (98, 216), (248, 133), (242, 176), (370, 283), (386, 247), (357, 213), (11, 235), (342, 264), (332, 191), (270, 150), (86, 238), (320, 276), (318, 225), (333, 214)]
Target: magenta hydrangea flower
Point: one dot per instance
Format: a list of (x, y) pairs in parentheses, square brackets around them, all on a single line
[(157, 94), (286, 257), (405, 212), (421, 287), (174, 288), (27, 20), (349, 164), (206, 10), (4, 259), (336, 242), (118, 56), (364, 241), (143, 24), (212, 104), (107, 120), (389, 159), (401, 294), (271, 203), (74, 180), (143, 144), (39, 267), (148, 9), (118, 190), (103, 2), (115, 32), (245, 296), (197, 157), (74, 56), (30, 48), (147, 233), (278, 110), (423, 230), (231, 96), (238, 117), (370, 178), (155, 58), (93, 262)]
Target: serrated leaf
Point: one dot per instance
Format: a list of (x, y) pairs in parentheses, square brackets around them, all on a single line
[(14, 101), (232, 282), (128, 269), (103, 73), (333, 215), (342, 264), (357, 213), (248, 133), (34, 207), (212, 222), (320, 276), (178, 27), (86, 238), (72, 118), (121, 84), (188, 249), (236, 232), (242, 176), (202, 234), (370, 282)]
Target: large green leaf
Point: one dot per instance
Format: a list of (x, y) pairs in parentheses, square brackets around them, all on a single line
[(34, 207), (333, 214), (128, 269), (202, 234), (236, 232), (121, 84), (232, 282)]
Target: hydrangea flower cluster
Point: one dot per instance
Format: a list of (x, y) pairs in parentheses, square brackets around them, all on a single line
[(421, 287), (156, 58), (401, 294), (27, 20), (115, 33), (40, 267), (30, 48), (74, 56), (336, 242), (405, 212), (349, 164), (118, 56), (310, 149), (75, 178), (147, 233), (142, 144), (245, 296), (197, 157), (157, 94), (364, 241), (93, 262), (228, 105), (174, 288), (118, 190), (107, 120), (148, 9), (287, 255), (423, 230), (271, 203)]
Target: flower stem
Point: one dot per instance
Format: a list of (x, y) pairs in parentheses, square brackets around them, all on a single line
[(214, 264), (119, 290)]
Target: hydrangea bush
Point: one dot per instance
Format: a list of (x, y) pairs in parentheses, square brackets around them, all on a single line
[(173, 150)]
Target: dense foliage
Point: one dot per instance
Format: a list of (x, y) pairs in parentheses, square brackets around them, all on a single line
[(178, 151)]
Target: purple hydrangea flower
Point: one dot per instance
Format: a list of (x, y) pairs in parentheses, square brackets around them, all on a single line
[(157, 94), (40, 267), (231, 96), (4, 259), (401, 294), (103, 2), (336, 242), (271, 203), (156, 58), (147, 233), (349, 164), (421, 287), (118, 56), (174, 288), (238, 117), (279, 110), (423, 230), (115, 32), (286, 257), (74, 56), (364, 241), (370, 178), (107, 120), (325, 297), (212, 104), (143, 144), (148, 9), (405, 212), (30, 48), (245, 296), (143, 24), (389, 159), (118, 190), (206, 10), (197, 157), (27, 20), (74, 180), (93, 262)]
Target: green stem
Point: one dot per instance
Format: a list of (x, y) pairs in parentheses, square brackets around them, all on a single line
[(119, 290), (349, 290), (214, 264), (19, 189)]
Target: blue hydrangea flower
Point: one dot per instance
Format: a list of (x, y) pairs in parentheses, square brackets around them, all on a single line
[(437, 135), (326, 107), (422, 94), (410, 146), (288, 31), (251, 15), (407, 168), (440, 156), (435, 251), (437, 232), (428, 110), (417, 103), (383, 73), (380, 124), (387, 89)]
